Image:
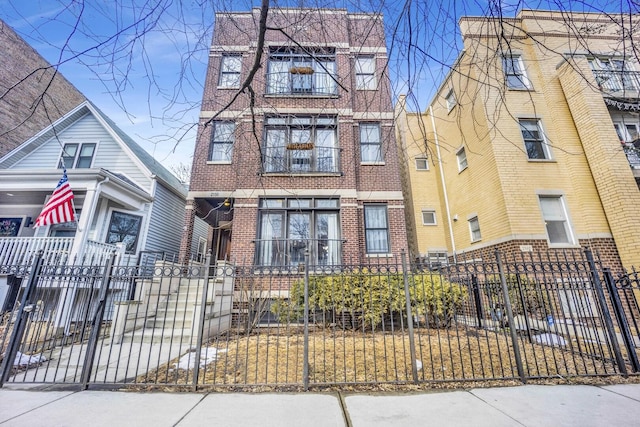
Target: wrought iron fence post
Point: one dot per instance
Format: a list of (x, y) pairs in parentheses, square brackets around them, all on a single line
[(618, 309), (407, 300), (96, 323), (305, 357), (512, 323), (477, 300), (608, 322), (21, 320), (201, 319)]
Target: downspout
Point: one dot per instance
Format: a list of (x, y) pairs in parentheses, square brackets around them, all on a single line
[(444, 185)]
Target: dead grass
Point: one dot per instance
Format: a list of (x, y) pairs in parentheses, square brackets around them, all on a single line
[(451, 358)]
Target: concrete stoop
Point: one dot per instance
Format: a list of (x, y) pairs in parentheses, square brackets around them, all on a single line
[(177, 314)]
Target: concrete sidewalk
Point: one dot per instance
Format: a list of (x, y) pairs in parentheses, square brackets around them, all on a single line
[(531, 405)]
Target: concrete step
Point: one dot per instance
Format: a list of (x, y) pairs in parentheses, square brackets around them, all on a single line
[(158, 335)]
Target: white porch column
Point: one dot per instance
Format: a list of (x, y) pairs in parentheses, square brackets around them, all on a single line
[(88, 212)]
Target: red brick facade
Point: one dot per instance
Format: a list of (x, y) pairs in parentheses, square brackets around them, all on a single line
[(243, 180)]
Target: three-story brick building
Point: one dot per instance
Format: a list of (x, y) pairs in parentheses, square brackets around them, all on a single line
[(296, 147)]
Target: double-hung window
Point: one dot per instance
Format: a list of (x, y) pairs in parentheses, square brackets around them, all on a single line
[(376, 226), (300, 144), (293, 70), (222, 141), (450, 99), (534, 141), (370, 143), (230, 68), (514, 72), (554, 214), (77, 155), (289, 226), (474, 229), (461, 157), (366, 73)]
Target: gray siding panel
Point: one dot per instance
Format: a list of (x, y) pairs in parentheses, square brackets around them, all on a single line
[(109, 154), (166, 222)]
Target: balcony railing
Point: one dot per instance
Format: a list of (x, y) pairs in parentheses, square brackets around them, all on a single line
[(315, 84), (633, 155), (615, 81), (290, 252), (283, 159)]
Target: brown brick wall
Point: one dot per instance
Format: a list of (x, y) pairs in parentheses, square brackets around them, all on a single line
[(25, 108), (348, 34)]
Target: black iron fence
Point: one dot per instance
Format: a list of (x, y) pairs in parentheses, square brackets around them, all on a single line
[(547, 315)]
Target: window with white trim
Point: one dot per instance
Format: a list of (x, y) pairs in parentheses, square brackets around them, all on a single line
[(230, 68), (78, 156), (428, 217), (222, 138), (534, 140), (124, 228), (370, 143), (474, 229), (376, 226), (366, 73), (514, 72), (289, 226), (554, 214), (422, 163), (461, 157), (450, 99)]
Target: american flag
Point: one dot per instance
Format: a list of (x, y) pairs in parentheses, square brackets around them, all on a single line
[(59, 208)]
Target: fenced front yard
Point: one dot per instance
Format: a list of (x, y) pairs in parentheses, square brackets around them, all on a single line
[(229, 326)]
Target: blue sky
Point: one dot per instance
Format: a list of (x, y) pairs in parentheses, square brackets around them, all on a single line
[(149, 78)]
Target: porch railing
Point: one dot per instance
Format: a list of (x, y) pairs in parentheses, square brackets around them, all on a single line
[(20, 250)]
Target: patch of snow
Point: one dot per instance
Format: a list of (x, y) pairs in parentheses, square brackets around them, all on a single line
[(549, 339), (26, 360), (419, 364), (188, 360)]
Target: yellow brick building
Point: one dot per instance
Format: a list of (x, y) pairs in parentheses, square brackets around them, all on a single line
[(530, 143)]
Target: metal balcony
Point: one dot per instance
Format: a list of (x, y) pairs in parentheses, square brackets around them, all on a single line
[(617, 81), (284, 159), (315, 84), (290, 252)]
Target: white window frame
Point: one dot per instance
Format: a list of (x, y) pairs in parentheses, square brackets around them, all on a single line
[(541, 141), (365, 70), (563, 218), (432, 212), (474, 231), (420, 159), (519, 75), (374, 145), (450, 99), (227, 145), (437, 259), (622, 129), (77, 156), (230, 78), (461, 157), (368, 227)]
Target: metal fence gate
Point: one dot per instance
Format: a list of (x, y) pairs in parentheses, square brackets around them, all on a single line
[(557, 314)]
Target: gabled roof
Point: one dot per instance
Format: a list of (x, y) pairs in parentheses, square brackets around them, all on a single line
[(138, 154)]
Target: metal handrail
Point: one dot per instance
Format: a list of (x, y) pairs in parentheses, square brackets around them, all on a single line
[(290, 252), (318, 83), (613, 81), (283, 159)]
